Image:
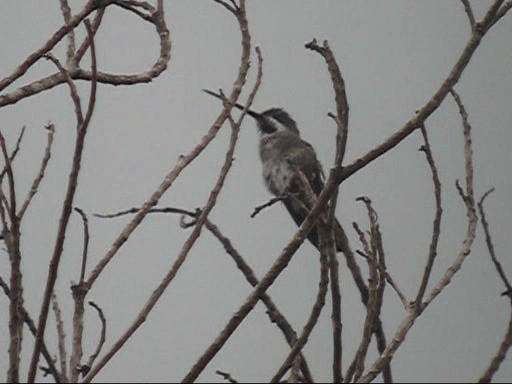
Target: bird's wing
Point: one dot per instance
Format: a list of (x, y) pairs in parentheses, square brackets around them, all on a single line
[(305, 160), (303, 157)]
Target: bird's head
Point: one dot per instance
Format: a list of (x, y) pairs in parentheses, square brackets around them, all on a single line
[(270, 121)]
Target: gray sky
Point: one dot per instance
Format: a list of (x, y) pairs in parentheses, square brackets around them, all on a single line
[(393, 55)]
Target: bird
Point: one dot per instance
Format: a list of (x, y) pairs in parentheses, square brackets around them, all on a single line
[(288, 163)]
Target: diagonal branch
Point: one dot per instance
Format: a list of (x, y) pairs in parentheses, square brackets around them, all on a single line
[(312, 320), (40, 175), (491, 17), (272, 311)]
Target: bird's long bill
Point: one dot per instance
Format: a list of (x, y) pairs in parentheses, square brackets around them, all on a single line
[(250, 112)]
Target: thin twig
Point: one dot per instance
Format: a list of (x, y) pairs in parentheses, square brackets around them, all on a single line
[(374, 255), (14, 152), (85, 368), (490, 245), (469, 201), (72, 88), (389, 280), (506, 343), (86, 244), (269, 203), (226, 376), (40, 175), (469, 13), (436, 226)]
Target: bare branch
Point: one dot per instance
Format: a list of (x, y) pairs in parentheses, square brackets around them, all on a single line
[(340, 96), (490, 245), (341, 120), (374, 255), (469, 13), (269, 203), (312, 320), (132, 7), (10, 178), (389, 280), (506, 343), (13, 153), (468, 199), (11, 237), (231, 8), (32, 328), (70, 52), (86, 243), (436, 230), (61, 337), (72, 88), (100, 12), (39, 177), (226, 376), (85, 368), (435, 101), (75, 366)]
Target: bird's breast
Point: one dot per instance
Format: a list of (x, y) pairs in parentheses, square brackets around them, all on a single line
[(278, 175)]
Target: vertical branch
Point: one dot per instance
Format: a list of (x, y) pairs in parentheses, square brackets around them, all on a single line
[(436, 230), (51, 369), (70, 52), (374, 255), (12, 241), (86, 367), (82, 125), (506, 343), (61, 337), (86, 244), (342, 109)]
